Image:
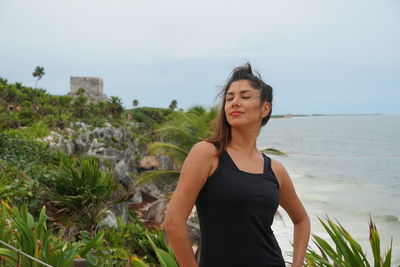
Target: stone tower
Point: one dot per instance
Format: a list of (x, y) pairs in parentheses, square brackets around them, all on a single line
[(93, 88)]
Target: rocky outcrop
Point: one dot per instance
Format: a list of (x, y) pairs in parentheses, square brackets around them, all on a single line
[(116, 148)]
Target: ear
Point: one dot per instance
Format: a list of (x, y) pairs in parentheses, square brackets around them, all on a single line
[(266, 107)]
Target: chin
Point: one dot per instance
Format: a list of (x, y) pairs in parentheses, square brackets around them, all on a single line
[(237, 124)]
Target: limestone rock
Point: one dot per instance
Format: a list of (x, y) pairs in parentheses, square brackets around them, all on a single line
[(112, 145), (110, 220), (122, 174)]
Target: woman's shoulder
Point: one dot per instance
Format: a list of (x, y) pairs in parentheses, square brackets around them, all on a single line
[(205, 149), (280, 171), (276, 165), (206, 153)]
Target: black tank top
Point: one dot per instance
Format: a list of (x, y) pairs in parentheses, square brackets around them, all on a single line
[(236, 210)]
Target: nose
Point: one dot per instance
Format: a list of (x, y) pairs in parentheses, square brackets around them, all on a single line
[(235, 101)]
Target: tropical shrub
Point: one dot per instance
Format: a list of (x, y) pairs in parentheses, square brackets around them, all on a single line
[(149, 116), (346, 251), (19, 229), (30, 156), (167, 259), (77, 194), (37, 130), (15, 185)]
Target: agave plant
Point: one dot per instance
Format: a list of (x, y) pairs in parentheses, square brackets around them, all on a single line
[(18, 229), (347, 251), (78, 193)]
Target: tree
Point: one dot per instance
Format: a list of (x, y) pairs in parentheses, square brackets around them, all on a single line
[(3, 81), (80, 106), (135, 102), (178, 134), (81, 91), (38, 72), (115, 106), (18, 85), (173, 105)]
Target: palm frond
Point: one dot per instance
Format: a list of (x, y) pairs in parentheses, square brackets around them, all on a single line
[(273, 151), (175, 152)]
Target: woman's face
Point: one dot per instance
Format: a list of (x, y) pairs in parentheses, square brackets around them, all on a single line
[(242, 105)]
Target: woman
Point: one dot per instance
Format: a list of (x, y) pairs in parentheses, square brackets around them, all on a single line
[(235, 187)]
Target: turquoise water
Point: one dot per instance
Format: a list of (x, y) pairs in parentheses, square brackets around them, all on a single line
[(345, 166)]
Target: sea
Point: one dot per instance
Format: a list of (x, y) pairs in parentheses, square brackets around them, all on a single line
[(346, 167)]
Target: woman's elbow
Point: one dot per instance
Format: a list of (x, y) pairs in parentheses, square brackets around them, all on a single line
[(173, 224), (166, 224), (305, 219)]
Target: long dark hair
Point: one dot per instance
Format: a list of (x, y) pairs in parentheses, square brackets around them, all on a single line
[(221, 128)]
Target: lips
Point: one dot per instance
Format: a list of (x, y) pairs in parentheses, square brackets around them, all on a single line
[(235, 113)]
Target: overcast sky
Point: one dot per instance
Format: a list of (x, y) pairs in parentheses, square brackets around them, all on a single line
[(328, 57)]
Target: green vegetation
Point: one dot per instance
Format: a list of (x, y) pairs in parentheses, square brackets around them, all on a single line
[(19, 229), (77, 194), (22, 106), (347, 252), (149, 117), (74, 193)]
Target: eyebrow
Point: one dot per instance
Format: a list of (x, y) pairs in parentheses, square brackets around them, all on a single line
[(241, 92)]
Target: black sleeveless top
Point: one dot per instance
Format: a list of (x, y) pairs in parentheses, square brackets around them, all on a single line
[(236, 210)]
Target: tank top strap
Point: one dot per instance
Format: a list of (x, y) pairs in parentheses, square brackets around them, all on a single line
[(268, 169), (267, 163), (227, 160)]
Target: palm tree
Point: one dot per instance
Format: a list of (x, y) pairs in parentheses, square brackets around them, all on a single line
[(135, 102), (38, 72), (178, 135), (115, 106), (173, 105)]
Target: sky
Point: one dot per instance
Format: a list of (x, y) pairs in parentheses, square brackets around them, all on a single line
[(325, 57)]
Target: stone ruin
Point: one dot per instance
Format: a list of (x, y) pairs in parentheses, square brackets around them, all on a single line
[(93, 88)]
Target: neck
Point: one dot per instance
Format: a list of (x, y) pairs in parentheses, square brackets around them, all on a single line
[(244, 139)]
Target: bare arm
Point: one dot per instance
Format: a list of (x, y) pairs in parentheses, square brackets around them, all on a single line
[(293, 206), (194, 173)]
